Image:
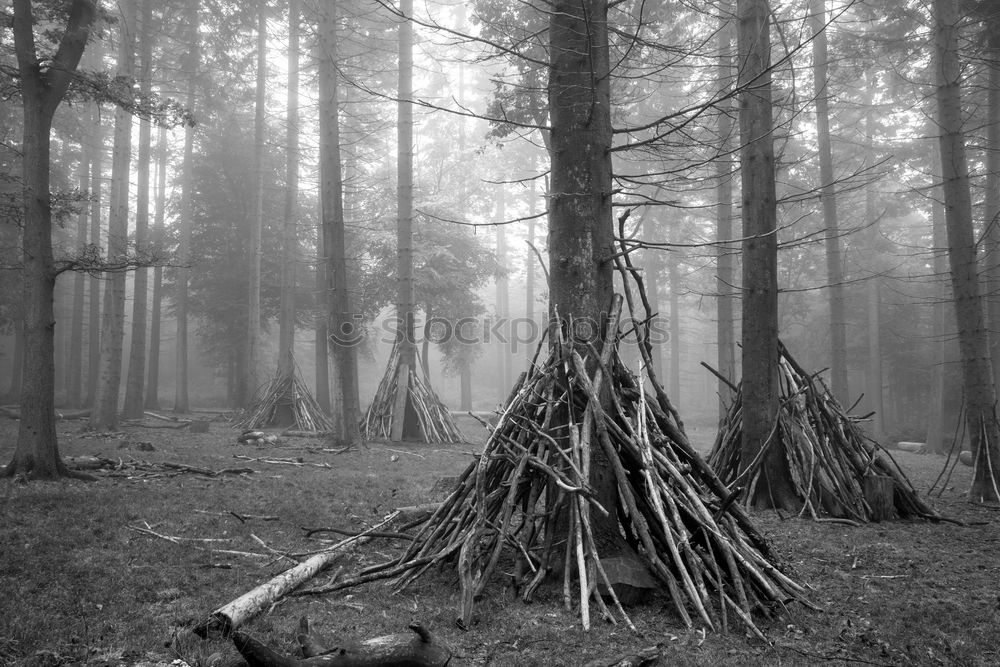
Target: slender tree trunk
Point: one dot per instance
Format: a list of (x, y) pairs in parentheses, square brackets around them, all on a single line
[(152, 400), (973, 341), (873, 373), (346, 403), (504, 379), (94, 283), (74, 379), (406, 425), (181, 404), (760, 257), (137, 356), (673, 277), (945, 415), (828, 198), (256, 223), (286, 318), (725, 261), (36, 451), (104, 412)]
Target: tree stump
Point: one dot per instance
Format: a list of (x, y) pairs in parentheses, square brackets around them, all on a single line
[(879, 491)]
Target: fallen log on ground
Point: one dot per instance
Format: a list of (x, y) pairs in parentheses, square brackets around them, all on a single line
[(413, 649), (14, 412), (227, 618)]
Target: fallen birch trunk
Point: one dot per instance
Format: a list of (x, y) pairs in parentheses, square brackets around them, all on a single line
[(416, 649), (227, 618)]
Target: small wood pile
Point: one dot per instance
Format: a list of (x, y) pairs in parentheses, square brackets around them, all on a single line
[(283, 396), (528, 502), (387, 413), (831, 460)]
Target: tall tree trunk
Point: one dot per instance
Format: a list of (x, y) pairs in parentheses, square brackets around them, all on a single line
[(503, 377), (725, 261), (580, 216), (828, 198), (673, 278), (873, 372), (980, 395), (104, 412), (42, 90), (152, 399), (407, 426), (181, 403), (346, 403), (94, 282), (760, 257), (140, 294), (256, 223), (74, 372), (289, 246)]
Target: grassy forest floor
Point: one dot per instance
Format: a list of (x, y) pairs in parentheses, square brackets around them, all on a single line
[(80, 585)]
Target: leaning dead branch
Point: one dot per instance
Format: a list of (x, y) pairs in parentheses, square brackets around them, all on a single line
[(836, 469)]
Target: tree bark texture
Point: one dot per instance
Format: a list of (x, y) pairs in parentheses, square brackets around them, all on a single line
[(828, 199), (992, 211), (343, 340), (760, 256), (42, 89), (580, 216), (973, 341)]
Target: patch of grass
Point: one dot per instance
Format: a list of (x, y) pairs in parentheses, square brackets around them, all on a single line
[(77, 581)]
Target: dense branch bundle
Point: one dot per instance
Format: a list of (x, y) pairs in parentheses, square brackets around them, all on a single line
[(828, 454), (528, 498), (436, 423), (285, 390)]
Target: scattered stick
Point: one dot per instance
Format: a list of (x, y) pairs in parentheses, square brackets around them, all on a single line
[(285, 462), (185, 541), (243, 518)]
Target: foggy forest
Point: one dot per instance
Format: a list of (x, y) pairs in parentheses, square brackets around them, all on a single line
[(670, 317)]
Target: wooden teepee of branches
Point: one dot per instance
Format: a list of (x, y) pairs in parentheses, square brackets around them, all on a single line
[(836, 469), (387, 413), (527, 502), (287, 402)]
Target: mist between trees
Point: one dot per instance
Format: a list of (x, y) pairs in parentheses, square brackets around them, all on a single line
[(299, 162)]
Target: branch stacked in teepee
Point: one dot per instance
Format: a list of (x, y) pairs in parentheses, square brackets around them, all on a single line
[(436, 423), (830, 458), (529, 495), (285, 390)]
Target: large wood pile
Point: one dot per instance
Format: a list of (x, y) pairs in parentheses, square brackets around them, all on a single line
[(830, 458), (529, 499), (287, 393), (386, 414)]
